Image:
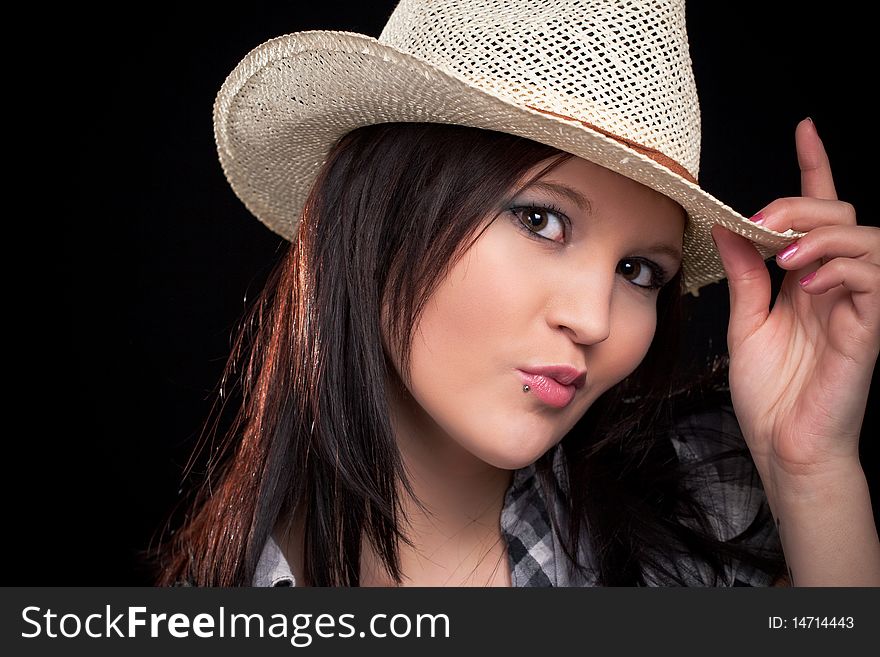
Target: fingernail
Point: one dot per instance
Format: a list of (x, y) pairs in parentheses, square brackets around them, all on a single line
[(788, 251), (806, 279), (757, 218)]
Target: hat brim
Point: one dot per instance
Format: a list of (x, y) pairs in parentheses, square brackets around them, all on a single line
[(284, 106)]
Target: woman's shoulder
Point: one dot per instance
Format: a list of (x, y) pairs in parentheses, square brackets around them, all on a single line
[(718, 467), (272, 569), (719, 471)]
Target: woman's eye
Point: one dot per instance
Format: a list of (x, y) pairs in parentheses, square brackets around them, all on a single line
[(545, 222), (641, 273)]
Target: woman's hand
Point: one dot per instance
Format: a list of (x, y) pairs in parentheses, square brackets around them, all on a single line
[(800, 373)]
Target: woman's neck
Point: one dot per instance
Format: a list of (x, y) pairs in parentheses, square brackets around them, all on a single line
[(455, 534), (456, 531)]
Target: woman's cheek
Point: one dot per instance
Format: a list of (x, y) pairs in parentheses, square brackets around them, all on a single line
[(634, 333)]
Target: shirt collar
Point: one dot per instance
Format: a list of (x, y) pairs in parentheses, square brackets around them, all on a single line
[(272, 568)]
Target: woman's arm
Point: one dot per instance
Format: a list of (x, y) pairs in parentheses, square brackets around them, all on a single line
[(827, 528)]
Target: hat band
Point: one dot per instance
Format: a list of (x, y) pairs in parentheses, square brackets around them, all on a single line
[(654, 154)]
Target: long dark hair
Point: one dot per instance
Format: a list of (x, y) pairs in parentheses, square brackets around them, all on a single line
[(393, 207)]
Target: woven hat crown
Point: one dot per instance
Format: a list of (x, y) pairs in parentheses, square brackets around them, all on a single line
[(623, 68), (610, 81)]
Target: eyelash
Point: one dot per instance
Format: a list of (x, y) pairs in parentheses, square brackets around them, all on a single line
[(658, 273)]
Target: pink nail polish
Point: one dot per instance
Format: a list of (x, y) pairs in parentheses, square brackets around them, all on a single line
[(757, 218), (788, 251), (806, 279)]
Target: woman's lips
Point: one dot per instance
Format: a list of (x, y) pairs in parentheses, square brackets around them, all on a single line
[(548, 389)]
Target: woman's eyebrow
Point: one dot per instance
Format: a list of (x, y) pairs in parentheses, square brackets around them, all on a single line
[(563, 192), (664, 249)]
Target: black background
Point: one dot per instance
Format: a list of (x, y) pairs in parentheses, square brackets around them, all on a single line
[(137, 257)]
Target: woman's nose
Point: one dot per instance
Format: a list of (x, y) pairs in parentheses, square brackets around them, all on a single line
[(583, 307)]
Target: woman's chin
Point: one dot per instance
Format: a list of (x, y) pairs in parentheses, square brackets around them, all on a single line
[(513, 455)]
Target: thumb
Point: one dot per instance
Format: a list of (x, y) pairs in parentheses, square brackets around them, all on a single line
[(749, 283)]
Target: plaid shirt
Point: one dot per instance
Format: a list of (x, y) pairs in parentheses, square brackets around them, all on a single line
[(730, 489)]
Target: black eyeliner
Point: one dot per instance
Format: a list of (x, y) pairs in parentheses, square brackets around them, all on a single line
[(659, 276)]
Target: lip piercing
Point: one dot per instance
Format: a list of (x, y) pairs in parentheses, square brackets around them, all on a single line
[(526, 388)]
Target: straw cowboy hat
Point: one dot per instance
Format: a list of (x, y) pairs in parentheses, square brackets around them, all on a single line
[(608, 81)]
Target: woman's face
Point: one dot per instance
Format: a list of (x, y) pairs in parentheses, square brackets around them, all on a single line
[(572, 290)]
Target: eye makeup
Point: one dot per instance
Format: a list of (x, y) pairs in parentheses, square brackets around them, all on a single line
[(659, 275)]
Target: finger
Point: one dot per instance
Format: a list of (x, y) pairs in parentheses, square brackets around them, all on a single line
[(827, 242), (804, 214), (816, 179), (748, 281), (859, 277)]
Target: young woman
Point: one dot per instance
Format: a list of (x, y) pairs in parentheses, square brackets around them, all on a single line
[(462, 373)]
